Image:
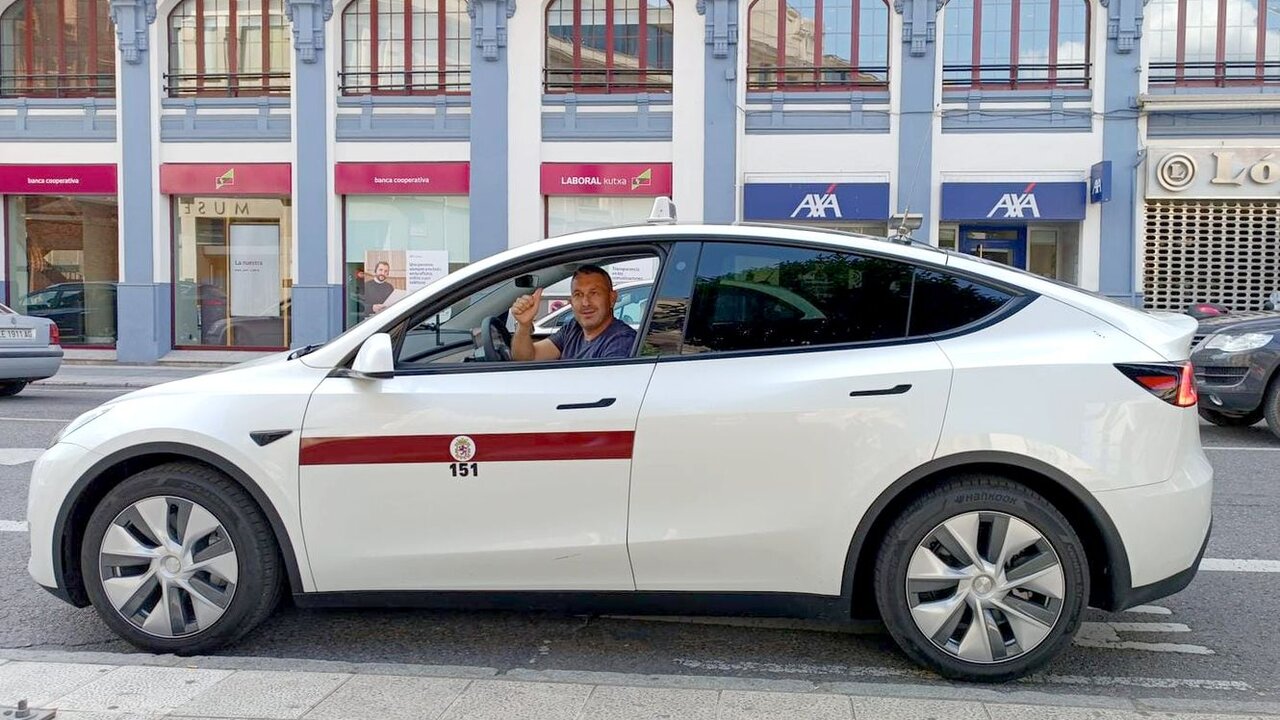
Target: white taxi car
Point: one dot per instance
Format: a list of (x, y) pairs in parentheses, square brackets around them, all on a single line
[(810, 424)]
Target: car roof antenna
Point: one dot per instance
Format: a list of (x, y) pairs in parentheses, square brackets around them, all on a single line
[(663, 213)]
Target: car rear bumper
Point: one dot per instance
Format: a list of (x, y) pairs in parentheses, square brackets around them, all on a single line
[(1164, 528), (29, 363)]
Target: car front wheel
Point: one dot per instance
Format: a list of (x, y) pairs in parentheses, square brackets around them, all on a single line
[(179, 559), (982, 579), (1222, 419), (1271, 406)]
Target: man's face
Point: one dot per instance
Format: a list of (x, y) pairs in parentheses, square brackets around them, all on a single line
[(380, 271), (592, 302)]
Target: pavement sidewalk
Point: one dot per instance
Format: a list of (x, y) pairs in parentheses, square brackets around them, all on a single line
[(110, 686)]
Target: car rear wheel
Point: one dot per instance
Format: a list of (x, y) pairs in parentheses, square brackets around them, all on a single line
[(179, 559), (8, 389), (1222, 419), (982, 579)]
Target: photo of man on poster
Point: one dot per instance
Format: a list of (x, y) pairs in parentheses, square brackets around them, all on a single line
[(376, 288)]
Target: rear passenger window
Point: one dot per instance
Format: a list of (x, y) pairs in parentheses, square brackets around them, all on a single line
[(757, 297), (945, 302)]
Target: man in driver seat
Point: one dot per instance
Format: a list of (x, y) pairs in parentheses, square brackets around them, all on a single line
[(593, 334)]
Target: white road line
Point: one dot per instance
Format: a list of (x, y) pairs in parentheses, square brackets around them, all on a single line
[(1142, 682), (46, 420), (1250, 566), (1147, 627), (1107, 636), (1150, 610), (13, 526), (18, 456), (884, 672)]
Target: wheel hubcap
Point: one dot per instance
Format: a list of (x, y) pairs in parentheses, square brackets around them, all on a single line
[(168, 566), (985, 587)]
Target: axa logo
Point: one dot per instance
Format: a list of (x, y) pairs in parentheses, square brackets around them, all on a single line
[(1017, 205), (225, 179), (816, 205)]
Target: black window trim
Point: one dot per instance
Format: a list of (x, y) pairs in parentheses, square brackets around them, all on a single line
[(661, 247), (1019, 299)]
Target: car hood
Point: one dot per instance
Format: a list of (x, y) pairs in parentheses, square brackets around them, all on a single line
[(1252, 322), (236, 378)]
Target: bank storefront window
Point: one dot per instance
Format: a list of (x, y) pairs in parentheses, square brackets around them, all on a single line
[(232, 270), (405, 225), (60, 226), (587, 196), (64, 263), (397, 244)]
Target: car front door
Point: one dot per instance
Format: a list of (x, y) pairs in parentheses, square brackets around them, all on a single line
[(773, 422), (472, 475)]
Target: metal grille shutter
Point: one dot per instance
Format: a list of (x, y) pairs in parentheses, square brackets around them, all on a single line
[(1221, 251)]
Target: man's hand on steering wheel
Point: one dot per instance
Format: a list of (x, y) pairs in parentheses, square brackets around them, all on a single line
[(495, 340)]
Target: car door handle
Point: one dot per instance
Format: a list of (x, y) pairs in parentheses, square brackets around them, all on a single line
[(601, 403), (895, 390)]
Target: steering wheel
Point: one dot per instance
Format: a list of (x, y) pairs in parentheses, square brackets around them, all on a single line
[(495, 339)]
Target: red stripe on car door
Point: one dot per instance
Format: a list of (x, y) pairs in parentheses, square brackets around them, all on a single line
[(498, 447)]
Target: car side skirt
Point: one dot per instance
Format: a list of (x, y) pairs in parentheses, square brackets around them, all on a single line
[(746, 604)]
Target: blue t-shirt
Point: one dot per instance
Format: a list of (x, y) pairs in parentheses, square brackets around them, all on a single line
[(615, 342)]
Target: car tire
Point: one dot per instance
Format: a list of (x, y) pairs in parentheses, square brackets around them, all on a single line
[(1271, 405), (930, 616), (1222, 419), (196, 589), (9, 389)]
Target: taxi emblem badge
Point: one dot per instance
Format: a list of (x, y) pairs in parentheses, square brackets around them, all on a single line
[(463, 448)]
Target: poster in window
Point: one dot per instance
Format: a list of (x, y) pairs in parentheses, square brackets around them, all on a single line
[(255, 270)]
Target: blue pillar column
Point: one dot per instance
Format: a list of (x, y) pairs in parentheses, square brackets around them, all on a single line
[(917, 64), (316, 304), (720, 149), (1121, 145), (143, 307), (489, 117)]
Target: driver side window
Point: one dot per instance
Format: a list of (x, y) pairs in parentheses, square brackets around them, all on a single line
[(453, 333)]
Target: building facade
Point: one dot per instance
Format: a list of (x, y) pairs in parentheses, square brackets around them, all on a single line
[(257, 174)]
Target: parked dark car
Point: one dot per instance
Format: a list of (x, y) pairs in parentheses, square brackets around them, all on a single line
[(1236, 356), (80, 322)]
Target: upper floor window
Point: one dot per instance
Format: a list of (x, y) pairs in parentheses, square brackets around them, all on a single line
[(228, 48), (818, 45), (406, 47), (1214, 42), (57, 48), (609, 46), (1013, 44)]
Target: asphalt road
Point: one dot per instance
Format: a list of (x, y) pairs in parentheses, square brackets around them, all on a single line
[(1214, 644)]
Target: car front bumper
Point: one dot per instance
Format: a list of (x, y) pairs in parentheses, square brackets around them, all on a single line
[(54, 479), (29, 363), (1234, 383)]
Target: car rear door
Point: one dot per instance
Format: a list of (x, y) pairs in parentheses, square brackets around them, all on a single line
[(772, 422)]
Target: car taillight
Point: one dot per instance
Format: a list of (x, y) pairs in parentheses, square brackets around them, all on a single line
[(55, 337), (1174, 383)]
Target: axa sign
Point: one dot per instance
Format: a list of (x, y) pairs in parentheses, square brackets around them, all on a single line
[(815, 201), (1016, 206), (1046, 201), (814, 206)]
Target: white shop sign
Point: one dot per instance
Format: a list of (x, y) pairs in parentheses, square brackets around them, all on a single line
[(1207, 173)]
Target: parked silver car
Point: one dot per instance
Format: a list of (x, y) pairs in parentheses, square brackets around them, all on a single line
[(30, 349)]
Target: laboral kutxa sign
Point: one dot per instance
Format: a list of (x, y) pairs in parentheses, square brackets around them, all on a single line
[(403, 178), (639, 179), (1222, 172)]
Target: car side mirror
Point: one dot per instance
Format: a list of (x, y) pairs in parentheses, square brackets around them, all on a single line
[(376, 358)]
